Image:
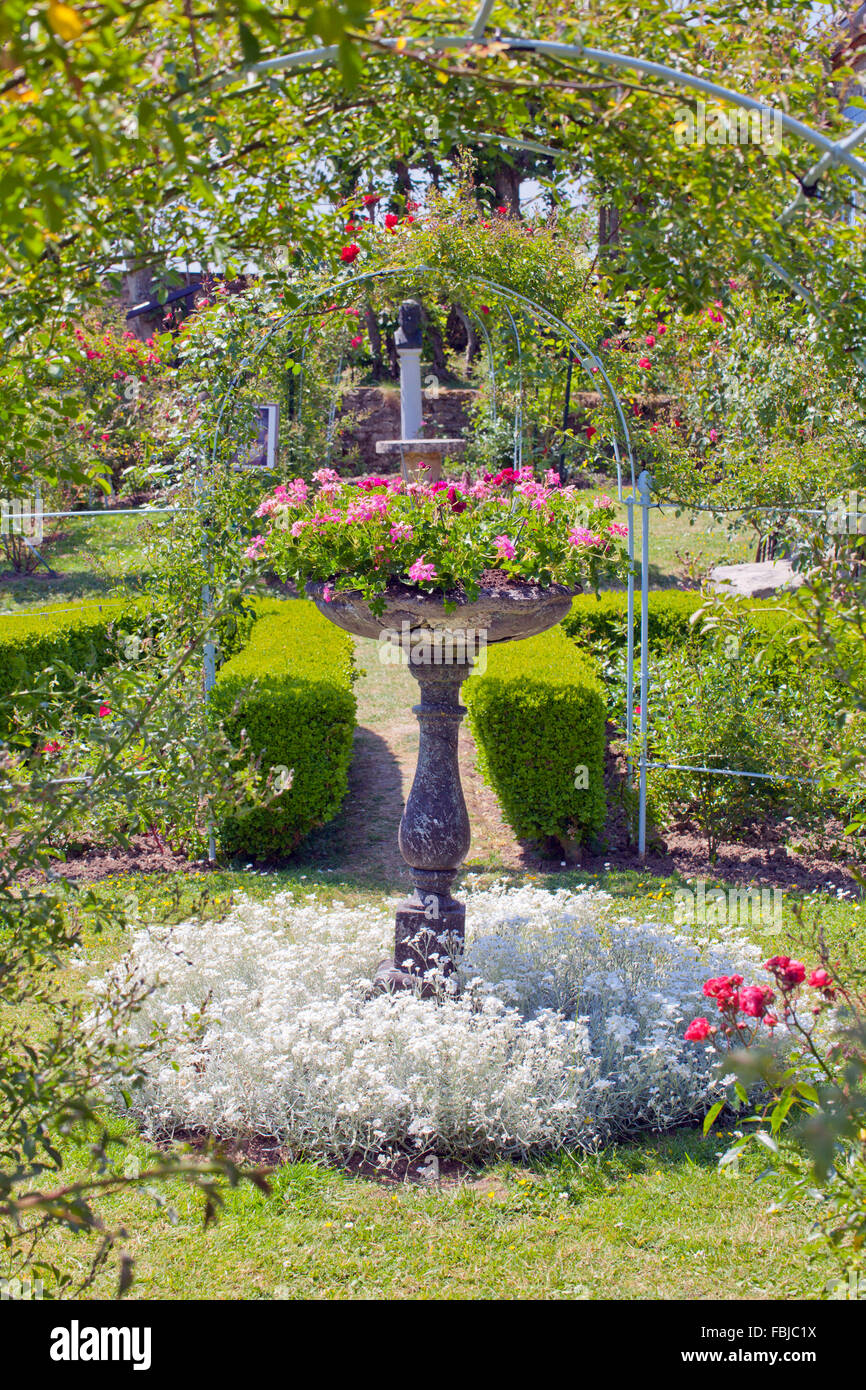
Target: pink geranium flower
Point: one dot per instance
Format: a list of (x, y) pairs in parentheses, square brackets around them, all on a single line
[(256, 544), (504, 547), (421, 571), (401, 532), (582, 536)]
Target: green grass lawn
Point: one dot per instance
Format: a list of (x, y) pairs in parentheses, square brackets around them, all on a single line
[(652, 1219), (91, 557), (685, 544)]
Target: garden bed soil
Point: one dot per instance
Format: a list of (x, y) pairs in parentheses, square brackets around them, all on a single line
[(262, 1153)]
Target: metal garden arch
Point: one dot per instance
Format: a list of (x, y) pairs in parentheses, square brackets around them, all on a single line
[(832, 152)]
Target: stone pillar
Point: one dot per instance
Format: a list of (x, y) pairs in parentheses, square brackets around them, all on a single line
[(410, 392), (434, 835), (409, 341)]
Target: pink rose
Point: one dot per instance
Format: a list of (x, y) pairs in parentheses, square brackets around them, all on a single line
[(788, 972), (754, 1000)]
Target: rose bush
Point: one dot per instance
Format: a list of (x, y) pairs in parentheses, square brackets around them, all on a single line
[(362, 536), (812, 1118)]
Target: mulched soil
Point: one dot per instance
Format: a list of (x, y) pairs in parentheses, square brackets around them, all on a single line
[(144, 855), (261, 1152)]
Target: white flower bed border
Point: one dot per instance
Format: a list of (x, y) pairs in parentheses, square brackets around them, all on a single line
[(568, 1031)]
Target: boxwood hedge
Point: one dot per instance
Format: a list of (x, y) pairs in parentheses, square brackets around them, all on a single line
[(604, 619), (55, 647), (290, 692), (538, 718)]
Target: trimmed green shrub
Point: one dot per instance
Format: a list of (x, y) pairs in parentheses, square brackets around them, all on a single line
[(538, 717), (603, 620), (54, 648), (290, 692)]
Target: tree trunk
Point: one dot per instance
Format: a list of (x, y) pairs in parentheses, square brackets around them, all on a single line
[(371, 319), (506, 184), (472, 339), (437, 345)]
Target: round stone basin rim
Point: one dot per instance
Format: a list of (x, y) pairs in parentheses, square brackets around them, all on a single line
[(502, 615)]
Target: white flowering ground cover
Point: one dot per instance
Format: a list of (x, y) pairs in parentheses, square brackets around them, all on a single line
[(567, 1032)]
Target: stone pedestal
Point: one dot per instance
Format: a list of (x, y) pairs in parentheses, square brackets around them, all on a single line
[(434, 831), (421, 459), (434, 836)]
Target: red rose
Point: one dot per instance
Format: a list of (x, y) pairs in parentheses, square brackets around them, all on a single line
[(819, 979), (754, 1000), (723, 989), (349, 253), (644, 363), (697, 1031), (788, 972), (391, 219)]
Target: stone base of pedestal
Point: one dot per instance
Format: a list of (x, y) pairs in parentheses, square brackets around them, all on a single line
[(429, 936), (429, 933)]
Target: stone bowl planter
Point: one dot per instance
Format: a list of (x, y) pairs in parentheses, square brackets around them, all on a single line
[(504, 613), (434, 834)]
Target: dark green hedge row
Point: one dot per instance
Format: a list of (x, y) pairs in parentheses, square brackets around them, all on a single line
[(538, 718), (56, 647), (290, 691), (592, 619)]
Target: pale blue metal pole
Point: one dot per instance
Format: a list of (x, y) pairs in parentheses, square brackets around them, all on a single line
[(629, 692), (208, 648), (644, 484)]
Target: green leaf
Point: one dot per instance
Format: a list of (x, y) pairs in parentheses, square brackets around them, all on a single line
[(250, 46), (713, 1115)]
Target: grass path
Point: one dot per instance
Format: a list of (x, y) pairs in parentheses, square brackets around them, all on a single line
[(363, 837)]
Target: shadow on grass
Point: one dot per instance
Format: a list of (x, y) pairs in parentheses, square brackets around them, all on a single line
[(360, 843)]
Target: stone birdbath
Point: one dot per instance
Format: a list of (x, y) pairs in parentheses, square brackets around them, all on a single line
[(434, 833)]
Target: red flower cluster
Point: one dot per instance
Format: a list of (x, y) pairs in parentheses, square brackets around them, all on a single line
[(788, 972), (698, 1030), (733, 998)]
